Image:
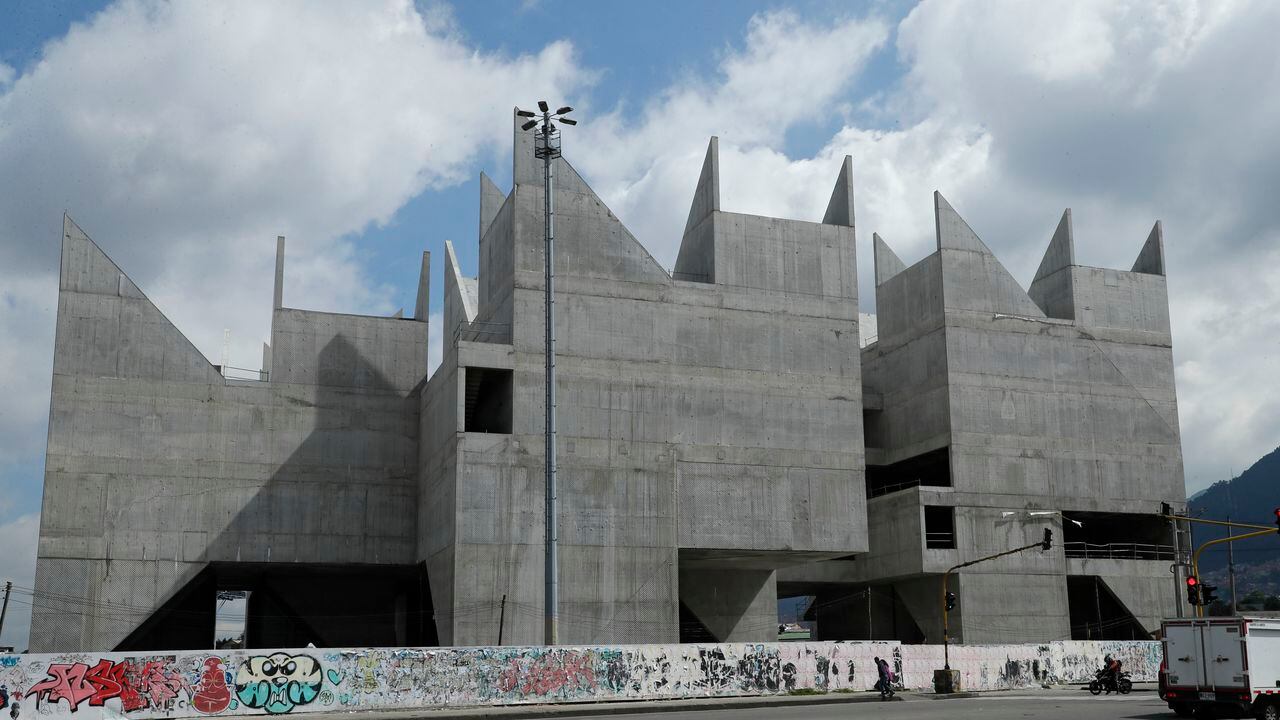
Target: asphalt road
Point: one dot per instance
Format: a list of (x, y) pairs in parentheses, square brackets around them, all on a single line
[(1061, 705)]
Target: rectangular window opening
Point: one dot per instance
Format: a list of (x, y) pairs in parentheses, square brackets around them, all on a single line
[(488, 401), (939, 527), (231, 618), (931, 469)]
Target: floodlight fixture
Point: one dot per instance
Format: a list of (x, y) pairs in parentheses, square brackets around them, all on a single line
[(563, 110), (568, 121), (542, 105), (525, 113), (529, 125)]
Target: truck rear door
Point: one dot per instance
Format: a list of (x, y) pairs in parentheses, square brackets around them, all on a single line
[(1183, 653), (1224, 655)]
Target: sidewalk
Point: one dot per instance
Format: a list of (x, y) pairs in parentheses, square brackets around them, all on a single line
[(588, 709)]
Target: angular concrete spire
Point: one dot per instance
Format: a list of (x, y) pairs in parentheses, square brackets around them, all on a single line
[(840, 206), (886, 261), (1151, 260), (525, 169), (279, 288), (491, 200), (422, 307), (706, 197), (973, 278), (952, 231), (1061, 252), (455, 284)]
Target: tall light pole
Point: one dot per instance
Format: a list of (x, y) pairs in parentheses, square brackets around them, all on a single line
[(546, 145)]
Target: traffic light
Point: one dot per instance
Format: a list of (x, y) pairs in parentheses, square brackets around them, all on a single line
[(1278, 520), (1206, 594), (951, 601), (1193, 590), (1048, 539), (1166, 509)]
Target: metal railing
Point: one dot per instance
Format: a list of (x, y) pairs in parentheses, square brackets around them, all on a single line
[(489, 332), (877, 491), (940, 540), (1118, 551), (231, 372)]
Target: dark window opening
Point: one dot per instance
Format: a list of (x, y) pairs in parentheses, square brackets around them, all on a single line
[(939, 527), (1096, 613), (488, 406), (1116, 536), (692, 630), (873, 428), (931, 469)]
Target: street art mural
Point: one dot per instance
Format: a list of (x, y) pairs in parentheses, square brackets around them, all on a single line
[(280, 682)]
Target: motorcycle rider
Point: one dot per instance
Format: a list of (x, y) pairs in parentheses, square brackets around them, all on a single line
[(1111, 672)]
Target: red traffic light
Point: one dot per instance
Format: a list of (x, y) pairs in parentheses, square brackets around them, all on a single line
[(1192, 581)]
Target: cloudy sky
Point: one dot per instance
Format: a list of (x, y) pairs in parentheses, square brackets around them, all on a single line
[(184, 138)]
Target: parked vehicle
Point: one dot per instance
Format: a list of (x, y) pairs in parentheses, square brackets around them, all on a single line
[(1223, 666)]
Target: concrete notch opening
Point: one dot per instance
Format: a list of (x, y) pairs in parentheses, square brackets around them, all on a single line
[(488, 407), (939, 527)]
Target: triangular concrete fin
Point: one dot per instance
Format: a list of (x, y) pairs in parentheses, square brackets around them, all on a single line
[(952, 231), (525, 169), (1151, 260), (1061, 252), (887, 263), (491, 200), (138, 341), (457, 299), (973, 278), (706, 196), (840, 206), (422, 305)]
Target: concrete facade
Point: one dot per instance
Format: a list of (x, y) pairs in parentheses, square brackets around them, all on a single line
[(994, 413), (711, 426)]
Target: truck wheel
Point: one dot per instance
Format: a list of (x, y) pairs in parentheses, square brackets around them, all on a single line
[(1183, 710), (1269, 711)]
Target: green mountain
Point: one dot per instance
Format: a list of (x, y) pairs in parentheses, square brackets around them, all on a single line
[(1251, 497)]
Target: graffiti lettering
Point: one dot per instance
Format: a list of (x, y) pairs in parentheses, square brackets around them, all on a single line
[(278, 683)]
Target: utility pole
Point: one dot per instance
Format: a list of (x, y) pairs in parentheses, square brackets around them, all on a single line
[(1231, 571), (546, 146), (502, 617), (8, 586), (944, 680)]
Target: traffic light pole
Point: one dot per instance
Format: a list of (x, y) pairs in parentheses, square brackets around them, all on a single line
[(1195, 558), (946, 577)]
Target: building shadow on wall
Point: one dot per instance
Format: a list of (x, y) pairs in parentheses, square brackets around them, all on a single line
[(325, 548)]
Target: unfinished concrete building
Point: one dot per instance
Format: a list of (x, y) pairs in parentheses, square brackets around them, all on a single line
[(992, 413), (710, 426), (711, 444)]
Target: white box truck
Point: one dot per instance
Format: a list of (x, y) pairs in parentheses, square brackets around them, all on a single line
[(1222, 666)]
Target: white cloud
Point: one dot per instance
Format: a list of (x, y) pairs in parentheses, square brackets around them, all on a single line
[(18, 537), (184, 137), (789, 72), (1126, 112)]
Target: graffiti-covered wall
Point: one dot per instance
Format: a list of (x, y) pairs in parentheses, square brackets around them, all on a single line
[(275, 682)]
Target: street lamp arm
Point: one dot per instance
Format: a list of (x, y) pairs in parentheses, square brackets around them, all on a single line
[(1226, 523)]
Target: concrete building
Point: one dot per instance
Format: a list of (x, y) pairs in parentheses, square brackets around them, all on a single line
[(711, 444), (993, 413)]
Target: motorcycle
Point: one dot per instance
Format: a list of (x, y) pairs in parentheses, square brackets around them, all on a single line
[(1121, 683)]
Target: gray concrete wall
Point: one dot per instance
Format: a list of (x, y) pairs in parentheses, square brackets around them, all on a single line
[(675, 398), (156, 465)]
